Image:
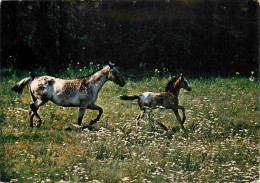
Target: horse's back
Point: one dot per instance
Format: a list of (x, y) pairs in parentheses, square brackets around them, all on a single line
[(42, 87), (42, 82)]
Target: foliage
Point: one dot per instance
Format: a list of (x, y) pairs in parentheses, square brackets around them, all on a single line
[(220, 145), (196, 36)]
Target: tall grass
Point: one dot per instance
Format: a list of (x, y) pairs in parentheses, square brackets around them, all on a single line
[(220, 145)]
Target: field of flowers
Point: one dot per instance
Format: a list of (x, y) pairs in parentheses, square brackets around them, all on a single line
[(221, 143)]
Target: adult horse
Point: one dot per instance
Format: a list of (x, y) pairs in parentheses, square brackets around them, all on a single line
[(81, 92), (167, 99)]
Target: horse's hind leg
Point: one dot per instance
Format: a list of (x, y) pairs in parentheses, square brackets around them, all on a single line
[(34, 107)]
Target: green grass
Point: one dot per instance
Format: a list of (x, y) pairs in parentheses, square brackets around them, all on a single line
[(220, 145)]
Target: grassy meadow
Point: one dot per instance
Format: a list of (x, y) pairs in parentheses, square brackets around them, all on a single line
[(221, 143)]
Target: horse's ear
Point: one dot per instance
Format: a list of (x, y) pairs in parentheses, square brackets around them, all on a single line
[(111, 64), (32, 74)]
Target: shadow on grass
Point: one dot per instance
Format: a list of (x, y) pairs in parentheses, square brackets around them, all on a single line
[(13, 138), (175, 129), (79, 129), (4, 177)]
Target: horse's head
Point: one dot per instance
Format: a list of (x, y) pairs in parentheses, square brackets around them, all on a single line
[(115, 76), (184, 83)]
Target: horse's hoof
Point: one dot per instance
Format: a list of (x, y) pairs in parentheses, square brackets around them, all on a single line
[(89, 127), (76, 125), (92, 122), (68, 129)]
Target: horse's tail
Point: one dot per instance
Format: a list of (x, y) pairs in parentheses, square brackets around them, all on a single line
[(125, 97), (18, 87)]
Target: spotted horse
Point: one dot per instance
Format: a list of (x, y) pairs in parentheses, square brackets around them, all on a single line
[(80, 92)]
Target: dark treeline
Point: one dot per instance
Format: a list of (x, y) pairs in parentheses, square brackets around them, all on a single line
[(210, 37)]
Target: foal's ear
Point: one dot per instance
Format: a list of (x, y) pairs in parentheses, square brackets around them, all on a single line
[(181, 76)]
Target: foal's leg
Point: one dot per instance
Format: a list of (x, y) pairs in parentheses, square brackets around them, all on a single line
[(34, 107), (183, 113), (175, 110), (140, 116), (100, 110)]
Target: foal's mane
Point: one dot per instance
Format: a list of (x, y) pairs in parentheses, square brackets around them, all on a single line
[(170, 83)]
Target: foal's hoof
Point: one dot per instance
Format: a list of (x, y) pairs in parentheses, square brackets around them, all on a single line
[(182, 130), (175, 129), (162, 126)]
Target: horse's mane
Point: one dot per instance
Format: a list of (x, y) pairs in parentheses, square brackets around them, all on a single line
[(89, 75), (170, 83)]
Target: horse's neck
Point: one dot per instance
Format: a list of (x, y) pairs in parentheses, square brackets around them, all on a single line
[(99, 79), (99, 84)]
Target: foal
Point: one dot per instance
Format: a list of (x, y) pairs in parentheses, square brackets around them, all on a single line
[(81, 92), (168, 99)]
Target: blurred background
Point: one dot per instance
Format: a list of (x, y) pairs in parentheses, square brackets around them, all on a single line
[(197, 37)]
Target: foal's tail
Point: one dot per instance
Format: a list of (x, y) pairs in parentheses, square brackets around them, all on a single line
[(125, 97), (18, 87)]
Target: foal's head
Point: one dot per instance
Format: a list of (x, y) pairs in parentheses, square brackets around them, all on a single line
[(184, 83), (115, 76), (176, 83)]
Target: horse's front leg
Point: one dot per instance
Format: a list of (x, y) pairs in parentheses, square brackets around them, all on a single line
[(100, 110), (31, 114), (81, 114)]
